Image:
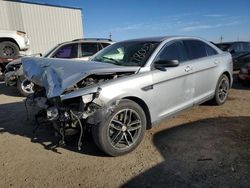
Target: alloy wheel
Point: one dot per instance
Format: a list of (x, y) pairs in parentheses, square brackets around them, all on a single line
[(27, 86), (223, 89), (124, 129)]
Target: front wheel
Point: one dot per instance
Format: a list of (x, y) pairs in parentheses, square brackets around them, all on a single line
[(222, 90), (122, 131), (25, 87), (8, 50)]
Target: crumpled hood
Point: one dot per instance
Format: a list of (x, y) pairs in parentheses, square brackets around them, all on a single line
[(56, 75)]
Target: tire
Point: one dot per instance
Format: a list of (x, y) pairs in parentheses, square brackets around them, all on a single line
[(222, 90), (122, 130), (8, 50), (22, 87)]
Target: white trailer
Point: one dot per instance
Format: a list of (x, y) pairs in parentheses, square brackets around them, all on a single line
[(46, 25)]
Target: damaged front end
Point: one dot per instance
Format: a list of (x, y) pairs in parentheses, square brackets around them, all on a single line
[(68, 117), (67, 93)]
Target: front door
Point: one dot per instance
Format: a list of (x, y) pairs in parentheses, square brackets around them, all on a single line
[(173, 87)]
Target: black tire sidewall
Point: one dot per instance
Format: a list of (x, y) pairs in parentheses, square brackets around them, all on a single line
[(100, 131), (12, 45), (217, 99)]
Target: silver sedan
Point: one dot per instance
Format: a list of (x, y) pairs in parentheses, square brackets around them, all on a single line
[(129, 86)]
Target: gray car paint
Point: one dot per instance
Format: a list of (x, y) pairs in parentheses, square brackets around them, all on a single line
[(164, 92)]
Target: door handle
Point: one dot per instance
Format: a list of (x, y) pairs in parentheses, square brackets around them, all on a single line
[(188, 68)]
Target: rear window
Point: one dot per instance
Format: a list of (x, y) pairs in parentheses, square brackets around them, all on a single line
[(88, 49), (104, 45), (198, 49)]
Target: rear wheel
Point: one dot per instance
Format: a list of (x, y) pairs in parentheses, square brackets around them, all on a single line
[(8, 50), (122, 131), (222, 90), (25, 87)]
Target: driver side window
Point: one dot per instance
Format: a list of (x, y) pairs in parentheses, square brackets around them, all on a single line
[(67, 51), (174, 51)]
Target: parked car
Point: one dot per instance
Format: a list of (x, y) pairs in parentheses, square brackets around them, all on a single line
[(240, 52), (79, 49), (128, 87), (244, 74), (12, 43)]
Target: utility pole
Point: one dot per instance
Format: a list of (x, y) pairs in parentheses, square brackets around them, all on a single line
[(110, 36), (221, 38)]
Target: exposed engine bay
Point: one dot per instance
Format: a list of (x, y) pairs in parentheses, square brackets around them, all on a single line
[(73, 116)]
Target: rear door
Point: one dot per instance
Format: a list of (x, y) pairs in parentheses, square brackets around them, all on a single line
[(173, 88), (203, 62)]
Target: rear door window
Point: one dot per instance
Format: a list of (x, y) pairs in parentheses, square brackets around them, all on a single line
[(196, 49), (174, 51), (89, 49), (67, 51), (210, 51)]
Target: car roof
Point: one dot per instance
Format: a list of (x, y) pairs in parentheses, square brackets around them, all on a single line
[(230, 43), (163, 38), (88, 40)]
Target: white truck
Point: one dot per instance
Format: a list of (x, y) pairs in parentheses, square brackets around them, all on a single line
[(12, 43)]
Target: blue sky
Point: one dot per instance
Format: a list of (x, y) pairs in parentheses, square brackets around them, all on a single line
[(128, 19)]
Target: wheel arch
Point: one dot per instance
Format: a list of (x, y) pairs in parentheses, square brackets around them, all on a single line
[(9, 40), (228, 76), (145, 108)]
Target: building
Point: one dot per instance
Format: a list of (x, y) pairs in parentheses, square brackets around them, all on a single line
[(46, 25)]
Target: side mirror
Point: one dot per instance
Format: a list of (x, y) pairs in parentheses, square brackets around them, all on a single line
[(162, 63)]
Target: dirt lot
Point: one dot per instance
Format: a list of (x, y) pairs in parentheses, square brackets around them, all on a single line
[(206, 146)]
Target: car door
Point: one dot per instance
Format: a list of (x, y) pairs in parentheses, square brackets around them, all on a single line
[(173, 87), (203, 62)]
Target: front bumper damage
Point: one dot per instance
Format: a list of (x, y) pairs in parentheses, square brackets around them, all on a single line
[(68, 93), (68, 117), (71, 117)]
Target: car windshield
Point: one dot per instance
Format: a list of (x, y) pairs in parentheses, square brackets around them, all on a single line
[(129, 53)]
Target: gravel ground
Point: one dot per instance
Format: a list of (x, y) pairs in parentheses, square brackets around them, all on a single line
[(205, 146)]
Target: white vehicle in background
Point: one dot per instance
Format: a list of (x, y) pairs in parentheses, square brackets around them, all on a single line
[(12, 43), (79, 49)]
